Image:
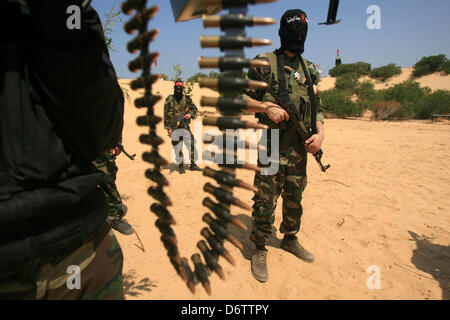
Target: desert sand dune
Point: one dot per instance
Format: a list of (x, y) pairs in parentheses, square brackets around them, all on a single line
[(385, 202), (436, 81)]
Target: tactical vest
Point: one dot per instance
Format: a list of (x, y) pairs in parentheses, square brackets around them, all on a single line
[(177, 108), (295, 85)]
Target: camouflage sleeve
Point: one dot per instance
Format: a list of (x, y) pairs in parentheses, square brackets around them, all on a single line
[(257, 94), (192, 107), (320, 116), (167, 117), (315, 77)]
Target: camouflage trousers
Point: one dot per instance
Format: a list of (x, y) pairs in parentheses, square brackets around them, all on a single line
[(190, 145), (93, 271), (107, 164), (289, 182)]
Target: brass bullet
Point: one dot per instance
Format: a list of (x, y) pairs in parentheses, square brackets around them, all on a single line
[(141, 62), (232, 103), (226, 83), (140, 19), (159, 195), (142, 82), (220, 231), (227, 179), (234, 3), (130, 5), (231, 123), (230, 63), (235, 21), (201, 272), (147, 101), (162, 213), (232, 42), (142, 41), (154, 158), (217, 246)]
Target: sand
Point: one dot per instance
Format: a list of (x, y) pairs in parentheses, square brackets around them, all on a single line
[(436, 81), (385, 202)]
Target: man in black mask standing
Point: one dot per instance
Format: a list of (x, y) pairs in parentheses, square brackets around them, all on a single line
[(287, 77), (178, 112)]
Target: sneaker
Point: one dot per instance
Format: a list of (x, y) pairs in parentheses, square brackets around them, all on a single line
[(194, 167), (181, 169), (294, 247), (259, 265), (122, 226)]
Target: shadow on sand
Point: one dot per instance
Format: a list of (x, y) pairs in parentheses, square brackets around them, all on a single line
[(244, 236), (174, 167), (134, 288), (433, 259)]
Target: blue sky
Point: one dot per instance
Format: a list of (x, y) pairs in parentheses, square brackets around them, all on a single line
[(410, 29)]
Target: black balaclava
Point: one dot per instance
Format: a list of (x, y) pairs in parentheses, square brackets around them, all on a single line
[(178, 90), (294, 23)]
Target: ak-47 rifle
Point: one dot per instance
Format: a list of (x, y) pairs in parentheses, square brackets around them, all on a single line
[(181, 119), (296, 120), (131, 157)]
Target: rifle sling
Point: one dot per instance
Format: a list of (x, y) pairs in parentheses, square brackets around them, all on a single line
[(312, 96)]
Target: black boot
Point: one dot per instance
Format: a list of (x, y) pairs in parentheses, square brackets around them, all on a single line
[(122, 226), (194, 167), (181, 168)]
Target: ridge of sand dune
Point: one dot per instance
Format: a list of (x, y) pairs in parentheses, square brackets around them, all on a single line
[(385, 202), (435, 81)]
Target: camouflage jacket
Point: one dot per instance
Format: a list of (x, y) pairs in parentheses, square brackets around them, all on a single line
[(174, 108), (295, 82)]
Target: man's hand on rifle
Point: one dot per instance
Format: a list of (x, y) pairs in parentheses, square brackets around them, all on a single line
[(115, 152), (275, 112), (187, 116), (314, 143)]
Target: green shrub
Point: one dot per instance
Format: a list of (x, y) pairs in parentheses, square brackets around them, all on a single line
[(409, 94), (428, 65), (447, 68), (436, 103), (368, 97), (360, 68), (195, 77), (347, 81), (385, 72), (337, 102), (163, 76)]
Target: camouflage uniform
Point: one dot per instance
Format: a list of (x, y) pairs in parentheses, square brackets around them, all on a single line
[(291, 179), (173, 108), (107, 164), (49, 278)]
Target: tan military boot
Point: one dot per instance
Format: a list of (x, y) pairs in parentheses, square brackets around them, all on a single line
[(294, 247), (259, 265)]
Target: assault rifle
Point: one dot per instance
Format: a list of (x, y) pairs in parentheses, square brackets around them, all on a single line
[(131, 157), (295, 119), (181, 120)]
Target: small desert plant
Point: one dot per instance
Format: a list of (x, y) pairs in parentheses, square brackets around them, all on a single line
[(385, 110)]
